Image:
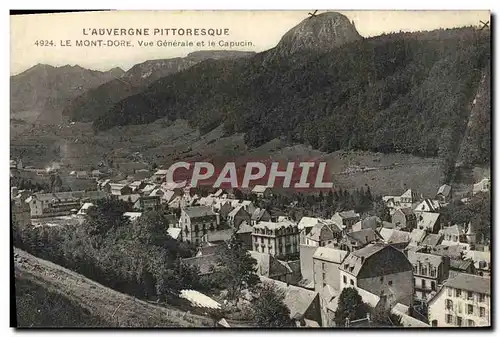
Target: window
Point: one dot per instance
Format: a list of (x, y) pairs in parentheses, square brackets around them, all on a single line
[(381, 279), (482, 312), (433, 285), (324, 276), (344, 279), (470, 309), (450, 292), (423, 270), (449, 304), (423, 284), (433, 272), (481, 297), (415, 269), (449, 319), (459, 321), (458, 293), (434, 322), (390, 283), (261, 240), (323, 265), (352, 282), (470, 295), (470, 322)]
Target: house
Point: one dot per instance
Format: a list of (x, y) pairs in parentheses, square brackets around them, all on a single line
[(305, 226), (482, 186), (244, 234), (356, 240), (453, 235), (175, 233), (453, 252), (463, 301), (444, 194), (104, 185), (60, 203), (326, 264), (132, 216), (137, 185), (276, 238), (345, 220), (481, 260), (432, 240), (159, 176), (407, 320), (404, 218), (408, 198), (196, 222), (428, 221), (120, 189), (429, 272), (130, 198), (83, 210), (147, 203), (396, 238), (304, 304), (20, 214), (270, 267), (237, 216), (417, 237), (428, 205), (260, 214), (218, 236), (262, 191), (322, 234), (372, 222), (381, 270), (462, 266)]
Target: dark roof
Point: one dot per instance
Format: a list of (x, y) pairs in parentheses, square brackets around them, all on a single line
[(205, 263), (198, 211), (432, 240), (349, 214), (220, 235), (469, 282), (258, 213), (460, 264), (244, 228), (451, 251), (444, 190), (407, 211), (364, 236)]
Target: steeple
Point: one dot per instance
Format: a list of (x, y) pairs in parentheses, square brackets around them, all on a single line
[(471, 233)]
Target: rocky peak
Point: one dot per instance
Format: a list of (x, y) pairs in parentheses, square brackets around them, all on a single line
[(319, 33)]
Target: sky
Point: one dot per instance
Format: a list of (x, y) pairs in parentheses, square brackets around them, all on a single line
[(263, 29)]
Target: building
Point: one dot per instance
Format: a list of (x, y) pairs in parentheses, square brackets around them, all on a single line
[(356, 240), (147, 203), (276, 238), (482, 186), (60, 203), (417, 237), (396, 238), (481, 260), (269, 266), (262, 191), (462, 266), (159, 176), (196, 222), (453, 235), (326, 264), (464, 300), (260, 214), (428, 221), (444, 194), (405, 200), (429, 273), (84, 209), (428, 205), (305, 226), (381, 270), (345, 220), (404, 218), (120, 189), (20, 214), (244, 234), (237, 216), (322, 234), (372, 222)]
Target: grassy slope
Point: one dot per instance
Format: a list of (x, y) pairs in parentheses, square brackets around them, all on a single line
[(84, 302)]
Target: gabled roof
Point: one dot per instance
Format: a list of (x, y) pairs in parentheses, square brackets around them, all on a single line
[(408, 194), (417, 236), (274, 225), (428, 205), (297, 299), (330, 254), (307, 222), (369, 222), (406, 211), (260, 188), (322, 232), (268, 265), (394, 236), (258, 213), (235, 211), (432, 240), (444, 190), (460, 264), (433, 260), (174, 232), (427, 220), (198, 211), (364, 236), (469, 282), (453, 230), (244, 228), (355, 260)]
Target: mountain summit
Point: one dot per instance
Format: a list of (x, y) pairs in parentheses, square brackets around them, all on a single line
[(318, 33)]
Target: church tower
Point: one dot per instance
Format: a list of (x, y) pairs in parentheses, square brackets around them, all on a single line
[(471, 234)]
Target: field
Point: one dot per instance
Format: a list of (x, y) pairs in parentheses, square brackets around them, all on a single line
[(50, 295), (164, 142)]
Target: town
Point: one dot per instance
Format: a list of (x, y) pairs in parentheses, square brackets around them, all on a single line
[(402, 260)]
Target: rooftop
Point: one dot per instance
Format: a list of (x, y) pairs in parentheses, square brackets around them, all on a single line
[(330, 254), (198, 211), (469, 282)]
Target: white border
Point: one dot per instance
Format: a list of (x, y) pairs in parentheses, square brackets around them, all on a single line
[(187, 4)]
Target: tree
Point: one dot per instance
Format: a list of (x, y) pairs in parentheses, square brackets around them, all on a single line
[(269, 309), (106, 214), (350, 306), (151, 229), (381, 210), (236, 267), (385, 318)]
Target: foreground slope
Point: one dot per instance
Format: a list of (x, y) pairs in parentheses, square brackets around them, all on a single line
[(101, 305)]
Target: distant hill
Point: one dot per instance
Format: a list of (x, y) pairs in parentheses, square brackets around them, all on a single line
[(97, 101), (41, 92), (403, 92)]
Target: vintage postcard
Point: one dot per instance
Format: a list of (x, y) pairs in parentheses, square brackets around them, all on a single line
[(229, 169)]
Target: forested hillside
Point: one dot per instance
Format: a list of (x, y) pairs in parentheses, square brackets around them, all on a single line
[(406, 92)]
